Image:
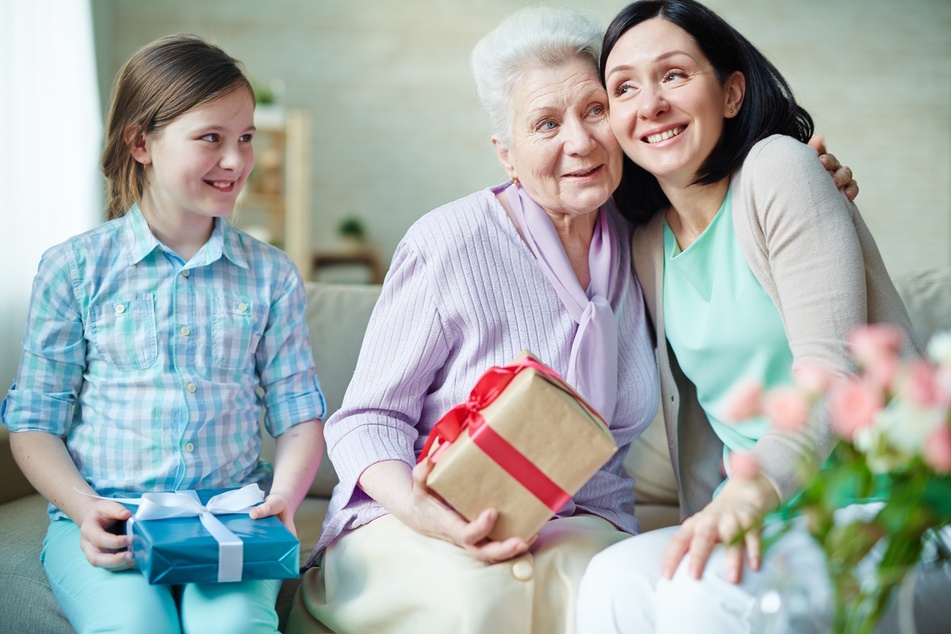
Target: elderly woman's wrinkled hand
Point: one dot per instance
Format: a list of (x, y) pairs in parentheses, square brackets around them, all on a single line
[(736, 511), (841, 174), (429, 515)]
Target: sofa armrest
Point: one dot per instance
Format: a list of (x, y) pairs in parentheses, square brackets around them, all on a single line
[(13, 484)]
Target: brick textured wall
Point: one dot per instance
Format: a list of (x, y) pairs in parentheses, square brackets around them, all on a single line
[(397, 129)]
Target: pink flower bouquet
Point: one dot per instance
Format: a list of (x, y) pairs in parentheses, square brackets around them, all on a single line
[(892, 422)]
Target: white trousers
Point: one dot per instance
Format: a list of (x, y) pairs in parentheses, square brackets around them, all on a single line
[(623, 591), (385, 577)]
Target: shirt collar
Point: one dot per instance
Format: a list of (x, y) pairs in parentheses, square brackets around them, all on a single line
[(225, 240), (139, 238)]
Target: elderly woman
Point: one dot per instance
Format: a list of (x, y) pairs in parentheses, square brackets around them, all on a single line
[(539, 262), (542, 262)]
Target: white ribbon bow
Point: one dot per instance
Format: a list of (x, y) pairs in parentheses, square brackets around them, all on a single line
[(156, 506)]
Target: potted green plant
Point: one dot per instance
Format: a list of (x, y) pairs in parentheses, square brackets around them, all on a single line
[(352, 232)]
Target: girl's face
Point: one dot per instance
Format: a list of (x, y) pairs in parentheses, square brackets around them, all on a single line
[(562, 149), (667, 104), (197, 165)]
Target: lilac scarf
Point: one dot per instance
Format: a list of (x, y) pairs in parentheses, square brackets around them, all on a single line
[(592, 366)]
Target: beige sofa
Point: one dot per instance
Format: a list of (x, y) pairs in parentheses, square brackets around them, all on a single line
[(337, 317)]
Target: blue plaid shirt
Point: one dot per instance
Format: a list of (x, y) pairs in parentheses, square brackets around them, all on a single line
[(155, 370)]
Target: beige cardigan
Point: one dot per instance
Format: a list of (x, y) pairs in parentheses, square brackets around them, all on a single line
[(816, 259)]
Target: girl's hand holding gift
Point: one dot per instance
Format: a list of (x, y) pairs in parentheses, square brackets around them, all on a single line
[(101, 545)]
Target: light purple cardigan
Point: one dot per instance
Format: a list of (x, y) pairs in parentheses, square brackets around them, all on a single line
[(465, 293)]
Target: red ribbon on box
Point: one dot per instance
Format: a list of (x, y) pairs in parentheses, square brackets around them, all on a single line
[(467, 416)]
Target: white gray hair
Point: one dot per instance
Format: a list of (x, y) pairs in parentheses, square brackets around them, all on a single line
[(530, 38)]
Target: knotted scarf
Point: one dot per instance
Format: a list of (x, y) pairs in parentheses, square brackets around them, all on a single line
[(592, 365)]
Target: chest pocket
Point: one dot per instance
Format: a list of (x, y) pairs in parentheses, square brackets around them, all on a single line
[(236, 328), (124, 332)]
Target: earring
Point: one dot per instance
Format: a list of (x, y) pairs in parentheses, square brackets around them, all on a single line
[(515, 181)]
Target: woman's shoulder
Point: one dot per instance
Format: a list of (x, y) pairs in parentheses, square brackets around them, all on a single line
[(777, 168), (459, 220), (779, 150)]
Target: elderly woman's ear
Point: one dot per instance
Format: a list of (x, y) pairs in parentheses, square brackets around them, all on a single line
[(502, 151)]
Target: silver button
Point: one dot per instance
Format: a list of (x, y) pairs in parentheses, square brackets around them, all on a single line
[(189, 447), (191, 387), (120, 308), (243, 307), (186, 273), (186, 330)]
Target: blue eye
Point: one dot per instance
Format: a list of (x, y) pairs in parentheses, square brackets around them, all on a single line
[(211, 136), (246, 138)]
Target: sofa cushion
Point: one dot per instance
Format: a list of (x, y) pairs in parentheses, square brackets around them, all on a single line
[(15, 484), (337, 316), (927, 296), (27, 600)]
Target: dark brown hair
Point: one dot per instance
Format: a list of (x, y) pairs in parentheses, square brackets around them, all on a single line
[(161, 81)]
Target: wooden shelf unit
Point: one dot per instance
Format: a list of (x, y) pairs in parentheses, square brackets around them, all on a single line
[(276, 199)]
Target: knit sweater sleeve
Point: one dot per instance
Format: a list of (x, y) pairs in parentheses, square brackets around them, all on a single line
[(403, 349), (801, 243)]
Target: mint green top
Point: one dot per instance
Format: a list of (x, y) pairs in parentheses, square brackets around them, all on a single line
[(722, 325)]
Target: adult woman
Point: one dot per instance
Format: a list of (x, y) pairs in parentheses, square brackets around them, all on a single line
[(736, 218), (541, 262)]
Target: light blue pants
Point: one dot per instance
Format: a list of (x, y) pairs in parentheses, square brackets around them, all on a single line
[(96, 600)]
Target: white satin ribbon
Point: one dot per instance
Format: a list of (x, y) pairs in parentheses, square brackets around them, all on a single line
[(156, 506)]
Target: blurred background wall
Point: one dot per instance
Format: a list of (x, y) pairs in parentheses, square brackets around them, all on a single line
[(397, 130)]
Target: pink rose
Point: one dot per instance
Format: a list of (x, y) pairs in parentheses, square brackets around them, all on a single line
[(743, 402), (875, 341), (922, 385), (787, 408), (853, 405), (814, 379), (937, 450), (743, 465), (883, 370)]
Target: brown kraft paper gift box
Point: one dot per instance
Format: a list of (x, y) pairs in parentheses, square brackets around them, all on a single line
[(551, 442)]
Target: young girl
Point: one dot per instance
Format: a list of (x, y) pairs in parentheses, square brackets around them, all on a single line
[(146, 342), (753, 267)]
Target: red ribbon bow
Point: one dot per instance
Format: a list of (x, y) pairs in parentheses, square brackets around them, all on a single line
[(468, 415)]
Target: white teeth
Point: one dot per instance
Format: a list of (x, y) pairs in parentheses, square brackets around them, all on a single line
[(663, 136), (221, 185)]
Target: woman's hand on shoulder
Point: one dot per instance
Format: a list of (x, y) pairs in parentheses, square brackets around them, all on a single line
[(98, 539), (737, 510), (841, 174)]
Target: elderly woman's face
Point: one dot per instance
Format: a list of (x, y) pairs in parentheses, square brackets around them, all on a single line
[(562, 149)]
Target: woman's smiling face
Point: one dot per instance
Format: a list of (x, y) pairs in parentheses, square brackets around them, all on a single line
[(562, 149), (667, 103)]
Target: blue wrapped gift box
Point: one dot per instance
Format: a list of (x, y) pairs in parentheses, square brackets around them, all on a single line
[(179, 550)]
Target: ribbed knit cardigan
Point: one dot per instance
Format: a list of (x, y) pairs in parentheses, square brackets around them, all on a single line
[(464, 293)]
